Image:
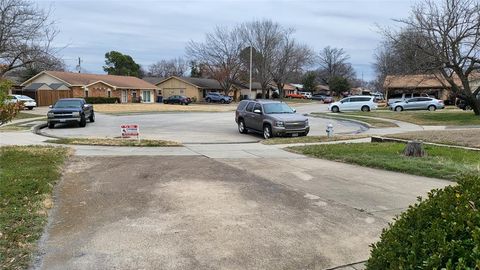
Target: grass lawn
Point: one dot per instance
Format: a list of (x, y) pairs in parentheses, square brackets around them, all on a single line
[(466, 137), (27, 177), (374, 123), (114, 142), (23, 115), (160, 107), (311, 139), (441, 162), (437, 118)]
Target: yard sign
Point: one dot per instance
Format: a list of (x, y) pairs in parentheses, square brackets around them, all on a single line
[(131, 130)]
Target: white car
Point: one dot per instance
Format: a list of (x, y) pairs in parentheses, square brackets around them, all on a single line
[(354, 103), (306, 94), (28, 102)]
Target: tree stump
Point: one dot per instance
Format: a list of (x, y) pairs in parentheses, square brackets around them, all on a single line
[(414, 149)]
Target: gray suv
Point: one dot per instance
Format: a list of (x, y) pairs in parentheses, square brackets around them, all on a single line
[(272, 118)]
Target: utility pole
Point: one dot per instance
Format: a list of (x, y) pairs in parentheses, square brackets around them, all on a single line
[(250, 83), (79, 66)]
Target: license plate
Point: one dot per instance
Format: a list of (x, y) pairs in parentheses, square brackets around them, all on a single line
[(294, 134), (62, 120)]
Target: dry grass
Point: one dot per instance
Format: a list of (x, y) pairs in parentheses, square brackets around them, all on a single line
[(159, 107), (311, 139), (114, 142), (467, 137)]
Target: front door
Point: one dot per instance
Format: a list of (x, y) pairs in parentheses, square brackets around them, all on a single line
[(124, 96), (146, 97)]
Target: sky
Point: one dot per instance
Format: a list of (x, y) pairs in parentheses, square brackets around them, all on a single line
[(150, 30)]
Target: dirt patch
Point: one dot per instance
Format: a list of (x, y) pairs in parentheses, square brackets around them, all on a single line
[(466, 137), (159, 107)]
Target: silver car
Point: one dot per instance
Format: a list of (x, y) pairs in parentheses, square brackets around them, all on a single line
[(419, 103), (271, 118)]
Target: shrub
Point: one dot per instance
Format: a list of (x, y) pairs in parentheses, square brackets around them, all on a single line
[(441, 232), (102, 100)]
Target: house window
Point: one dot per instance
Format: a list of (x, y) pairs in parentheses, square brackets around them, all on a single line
[(86, 93), (109, 93)]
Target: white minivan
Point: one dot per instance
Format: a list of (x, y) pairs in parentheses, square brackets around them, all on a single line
[(354, 103)]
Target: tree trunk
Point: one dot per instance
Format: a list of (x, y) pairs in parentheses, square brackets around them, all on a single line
[(414, 149)]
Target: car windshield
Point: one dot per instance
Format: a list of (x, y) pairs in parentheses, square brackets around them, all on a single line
[(272, 108), (68, 104), (24, 97)]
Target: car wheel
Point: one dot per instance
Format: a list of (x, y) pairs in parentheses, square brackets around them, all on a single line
[(51, 125), (267, 132), (432, 108), (303, 134), (335, 109), (83, 121), (365, 109), (92, 117), (467, 108), (241, 127), (30, 108), (398, 109), (208, 100), (222, 101)]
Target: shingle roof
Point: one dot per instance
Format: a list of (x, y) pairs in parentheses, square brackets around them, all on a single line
[(114, 80), (36, 86), (153, 80), (203, 83), (55, 86)]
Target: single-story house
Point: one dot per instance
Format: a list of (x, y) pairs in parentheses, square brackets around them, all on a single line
[(49, 86), (197, 88), (433, 85), (322, 89)]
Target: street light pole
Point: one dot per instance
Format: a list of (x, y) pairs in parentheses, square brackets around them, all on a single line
[(250, 84)]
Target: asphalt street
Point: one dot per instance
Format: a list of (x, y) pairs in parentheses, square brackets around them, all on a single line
[(190, 127)]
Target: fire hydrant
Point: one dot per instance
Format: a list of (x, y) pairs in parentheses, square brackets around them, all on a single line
[(329, 130)]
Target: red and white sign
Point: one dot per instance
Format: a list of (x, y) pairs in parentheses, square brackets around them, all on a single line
[(132, 130)]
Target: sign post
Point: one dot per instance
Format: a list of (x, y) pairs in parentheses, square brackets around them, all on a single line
[(130, 130)]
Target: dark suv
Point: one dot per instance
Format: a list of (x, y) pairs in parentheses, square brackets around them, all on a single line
[(68, 110), (182, 100), (272, 118), (217, 97)]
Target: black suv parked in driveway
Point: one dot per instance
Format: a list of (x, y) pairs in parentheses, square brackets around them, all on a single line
[(182, 100), (272, 118), (68, 110)]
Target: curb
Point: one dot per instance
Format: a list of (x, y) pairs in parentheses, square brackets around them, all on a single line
[(37, 129), (361, 123)]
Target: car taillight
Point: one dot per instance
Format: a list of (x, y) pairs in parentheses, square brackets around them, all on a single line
[(440, 101)]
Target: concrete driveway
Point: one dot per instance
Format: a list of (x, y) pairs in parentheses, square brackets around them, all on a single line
[(192, 127)]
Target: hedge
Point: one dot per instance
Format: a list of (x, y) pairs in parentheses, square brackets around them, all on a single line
[(102, 100), (440, 232)]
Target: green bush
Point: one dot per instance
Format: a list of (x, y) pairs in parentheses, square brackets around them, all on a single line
[(441, 232), (102, 100)]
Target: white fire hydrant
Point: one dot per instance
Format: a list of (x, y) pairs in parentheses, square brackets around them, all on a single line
[(329, 130)]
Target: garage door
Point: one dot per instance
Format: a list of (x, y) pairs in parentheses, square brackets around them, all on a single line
[(49, 97)]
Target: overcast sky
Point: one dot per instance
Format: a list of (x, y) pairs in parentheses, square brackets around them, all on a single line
[(153, 30)]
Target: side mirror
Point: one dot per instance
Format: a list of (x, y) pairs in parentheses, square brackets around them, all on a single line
[(257, 111), (50, 106), (86, 105), (294, 110)]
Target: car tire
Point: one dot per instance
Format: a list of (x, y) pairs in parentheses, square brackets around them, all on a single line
[(208, 100), (30, 108), (365, 109), (241, 127), (303, 134), (398, 109), (92, 117), (83, 121), (467, 108), (432, 108), (335, 109), (267, 132), (51, 125), (222, 101)]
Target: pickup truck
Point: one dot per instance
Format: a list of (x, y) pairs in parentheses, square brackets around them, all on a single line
[(68, 110)]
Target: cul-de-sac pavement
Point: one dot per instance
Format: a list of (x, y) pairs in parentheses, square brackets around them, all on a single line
[(221, 201)]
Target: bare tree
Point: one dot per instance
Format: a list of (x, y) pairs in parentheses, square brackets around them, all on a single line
[(25, 35), (289, 59), (167, 68), (220, 55), (265, 37), (452, 41), (334, 63)]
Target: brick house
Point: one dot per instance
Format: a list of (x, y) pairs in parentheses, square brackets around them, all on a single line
[(125, 88)]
